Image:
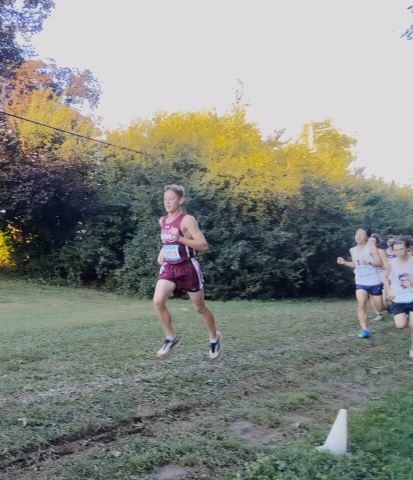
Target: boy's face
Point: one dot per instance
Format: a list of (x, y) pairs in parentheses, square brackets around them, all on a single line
[(400, 250), (361, 236), (172, 202)]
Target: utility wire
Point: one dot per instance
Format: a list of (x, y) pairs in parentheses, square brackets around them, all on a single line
[(74, 133)]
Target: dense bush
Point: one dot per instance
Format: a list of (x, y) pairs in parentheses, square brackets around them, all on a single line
[(264, 247)]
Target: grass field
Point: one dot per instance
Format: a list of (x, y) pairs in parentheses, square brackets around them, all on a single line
[(82, 395)]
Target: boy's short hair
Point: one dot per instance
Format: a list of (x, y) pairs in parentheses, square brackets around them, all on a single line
[(366, 229), (403, 240), (178, 189), (377, 237)]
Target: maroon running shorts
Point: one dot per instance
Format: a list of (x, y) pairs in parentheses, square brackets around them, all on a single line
[(187, 276)]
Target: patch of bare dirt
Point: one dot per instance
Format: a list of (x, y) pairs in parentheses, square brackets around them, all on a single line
[(253, 434), (175, 472), (298, 420)]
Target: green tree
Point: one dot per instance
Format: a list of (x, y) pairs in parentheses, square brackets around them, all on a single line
[(320, 226), (386, 208), (43, 198), (19, 18), (69, 86)]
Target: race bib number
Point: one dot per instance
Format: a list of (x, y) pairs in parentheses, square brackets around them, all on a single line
[(171, 253)]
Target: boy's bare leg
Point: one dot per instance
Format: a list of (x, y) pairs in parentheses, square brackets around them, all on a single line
[(378, 305), (200, 306), (362, 297), (401, 321), (163, 290)]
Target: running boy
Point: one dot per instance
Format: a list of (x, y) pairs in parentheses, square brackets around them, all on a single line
[(181, 238), (375, 237), (399, 285), (364, 260)]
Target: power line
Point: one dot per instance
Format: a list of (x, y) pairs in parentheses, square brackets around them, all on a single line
[(74, 133)]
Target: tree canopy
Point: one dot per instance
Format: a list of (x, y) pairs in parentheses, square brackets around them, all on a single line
[(19, 18)]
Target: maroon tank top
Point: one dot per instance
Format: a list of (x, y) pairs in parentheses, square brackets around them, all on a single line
[(173, 251)]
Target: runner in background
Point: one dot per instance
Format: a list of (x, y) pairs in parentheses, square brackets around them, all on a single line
[(381, 248), (365, 259), (389, 250), (399, 283)]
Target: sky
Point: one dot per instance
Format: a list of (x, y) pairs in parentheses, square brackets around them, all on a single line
[(297, 61)]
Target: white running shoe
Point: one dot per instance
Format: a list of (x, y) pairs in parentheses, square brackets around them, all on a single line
[(378, 317), (411, 353), (167, 347), (215, 348)]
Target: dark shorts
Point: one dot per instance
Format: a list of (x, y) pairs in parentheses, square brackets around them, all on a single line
[(374, 290), (398, 308), (187, 276)]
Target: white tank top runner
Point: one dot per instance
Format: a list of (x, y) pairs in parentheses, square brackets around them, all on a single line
[(364, 274), (401, 271)]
